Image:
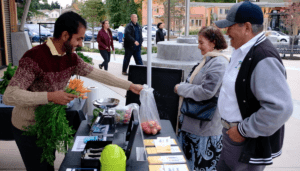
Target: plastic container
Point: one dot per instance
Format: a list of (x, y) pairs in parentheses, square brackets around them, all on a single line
[(113, 158), (123, 114)]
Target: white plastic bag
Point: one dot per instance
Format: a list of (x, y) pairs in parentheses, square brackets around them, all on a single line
[(150, 121)]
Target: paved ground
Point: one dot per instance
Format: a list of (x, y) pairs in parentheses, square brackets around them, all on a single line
[(10, 158)]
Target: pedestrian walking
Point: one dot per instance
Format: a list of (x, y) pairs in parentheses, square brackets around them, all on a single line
[(105, 44), (201, 140), (255, 99), (132, 43), (121, 30), (41, 77), (159, 33)]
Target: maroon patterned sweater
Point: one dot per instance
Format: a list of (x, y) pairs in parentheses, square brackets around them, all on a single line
[(39, 72)]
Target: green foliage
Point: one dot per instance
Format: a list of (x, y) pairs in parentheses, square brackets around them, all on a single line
[(192, 32), (92, 11), (120, 51), (85, 58), (33, 9), (119, 11), (8, 74), (52, 130), (222, 1)]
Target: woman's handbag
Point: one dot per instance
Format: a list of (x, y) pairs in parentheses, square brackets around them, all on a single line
[(203, 110)]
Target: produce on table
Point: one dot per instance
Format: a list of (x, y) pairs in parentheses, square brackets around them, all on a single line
[(151, 127), (8, 74), (123, 115), (52, 127)]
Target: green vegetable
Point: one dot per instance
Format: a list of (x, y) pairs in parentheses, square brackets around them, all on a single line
[(96, 114), (8, 74), (52, 130), (85, 58)]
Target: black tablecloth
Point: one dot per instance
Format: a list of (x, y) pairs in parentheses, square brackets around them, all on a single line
[(72, 159), (74, 115)]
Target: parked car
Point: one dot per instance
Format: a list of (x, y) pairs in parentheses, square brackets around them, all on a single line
[(44, 34), (153, 31), (114, 34), (281, 37), (88, 36), (34, 37)]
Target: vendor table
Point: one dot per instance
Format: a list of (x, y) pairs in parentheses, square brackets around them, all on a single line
[(74, 115), (72, 159)]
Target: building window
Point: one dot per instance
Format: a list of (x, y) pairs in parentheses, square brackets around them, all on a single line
[(226, 11), (157, 10), (221, 11), (197, 22), (192, 22), (183, 22), (200, 23)]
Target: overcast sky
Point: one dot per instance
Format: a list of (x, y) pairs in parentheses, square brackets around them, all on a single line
[(63, 3)]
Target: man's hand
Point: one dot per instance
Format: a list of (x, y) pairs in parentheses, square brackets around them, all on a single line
[(136, 88), (234, 135), (136, 43), (60, 97), (175, 88)]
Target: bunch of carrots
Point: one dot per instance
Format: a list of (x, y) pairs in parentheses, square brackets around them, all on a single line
[(76, 87), (52, 127)]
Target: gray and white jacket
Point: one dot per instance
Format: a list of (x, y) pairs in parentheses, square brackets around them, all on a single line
[(206, 85), (265, 103)]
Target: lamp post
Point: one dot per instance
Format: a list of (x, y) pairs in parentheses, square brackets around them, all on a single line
[(187, 17)]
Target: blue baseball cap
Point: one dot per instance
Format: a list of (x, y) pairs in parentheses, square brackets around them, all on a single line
[(241, 13)]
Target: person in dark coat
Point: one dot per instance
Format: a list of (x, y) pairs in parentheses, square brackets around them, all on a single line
[(159, 33), (132, 43), (105, 41)]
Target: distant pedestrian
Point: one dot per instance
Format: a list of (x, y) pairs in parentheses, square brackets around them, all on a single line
[(105, 41), (159, 33), (132, 43), (121, 30)]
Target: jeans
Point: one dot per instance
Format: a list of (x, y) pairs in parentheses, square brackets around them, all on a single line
[(137, 57), (106, 56), (31, 154)]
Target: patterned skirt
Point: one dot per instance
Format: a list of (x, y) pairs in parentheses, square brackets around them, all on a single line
[(202, 153)]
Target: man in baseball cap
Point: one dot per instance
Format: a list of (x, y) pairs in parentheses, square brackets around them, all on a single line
[(255, 99)]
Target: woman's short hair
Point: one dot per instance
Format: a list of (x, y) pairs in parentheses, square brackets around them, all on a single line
[(214, 35), (158, 25)]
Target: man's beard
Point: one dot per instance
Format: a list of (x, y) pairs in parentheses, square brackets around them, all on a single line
[(68, 48)]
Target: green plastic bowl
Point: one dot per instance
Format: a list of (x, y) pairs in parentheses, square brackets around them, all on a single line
[(113, 158)]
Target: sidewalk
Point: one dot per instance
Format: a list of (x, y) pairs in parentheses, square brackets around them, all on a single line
[(10, 158)]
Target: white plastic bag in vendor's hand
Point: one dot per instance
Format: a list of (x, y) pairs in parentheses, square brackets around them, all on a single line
[(149, 116)]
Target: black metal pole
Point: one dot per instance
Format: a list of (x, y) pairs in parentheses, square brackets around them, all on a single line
[(169, 11), (40, 33)]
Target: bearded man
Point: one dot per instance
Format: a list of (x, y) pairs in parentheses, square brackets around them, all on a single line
[(43, 73)]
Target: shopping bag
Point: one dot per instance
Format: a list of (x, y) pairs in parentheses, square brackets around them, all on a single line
[(150, 121)]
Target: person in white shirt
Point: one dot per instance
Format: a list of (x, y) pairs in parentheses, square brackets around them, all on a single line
[(255, 99)]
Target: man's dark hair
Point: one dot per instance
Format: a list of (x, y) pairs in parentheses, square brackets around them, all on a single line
[(158, 25), (70, 22)]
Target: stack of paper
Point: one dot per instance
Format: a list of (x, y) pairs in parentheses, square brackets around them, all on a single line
[(175, 159), (171, 167)]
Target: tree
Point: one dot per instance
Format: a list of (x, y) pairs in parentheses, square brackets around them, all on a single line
[(119, 11), (33, 9), (178, 14), (292, 17), (93, 12)]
